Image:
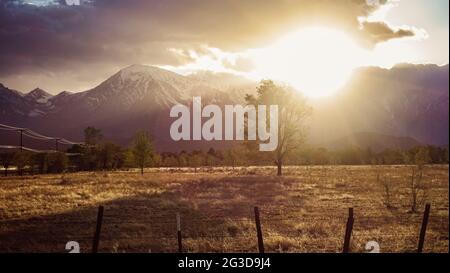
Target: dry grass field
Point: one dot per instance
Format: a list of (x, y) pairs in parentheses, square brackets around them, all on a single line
[(303, 211)]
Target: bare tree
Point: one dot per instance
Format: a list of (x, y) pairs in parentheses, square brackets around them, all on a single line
[(385, 183), (293, 112), (417, 186)]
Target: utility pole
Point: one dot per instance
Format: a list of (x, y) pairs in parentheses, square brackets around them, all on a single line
[(21, 148), (21, 141), (56, 144)]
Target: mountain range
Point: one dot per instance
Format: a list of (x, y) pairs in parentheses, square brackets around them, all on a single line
[(399, 107), (404, 101)]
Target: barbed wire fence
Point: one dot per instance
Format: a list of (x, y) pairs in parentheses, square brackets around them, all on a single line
[(265, 231)]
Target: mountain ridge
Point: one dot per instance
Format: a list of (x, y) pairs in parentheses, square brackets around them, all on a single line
[(410, 101)]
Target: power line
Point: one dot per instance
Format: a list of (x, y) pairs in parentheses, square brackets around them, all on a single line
[(32, 134), (12, 147), (3, 126), (68, 142), (35, 135)]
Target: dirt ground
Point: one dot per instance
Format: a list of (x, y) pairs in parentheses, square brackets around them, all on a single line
[(303, 211)]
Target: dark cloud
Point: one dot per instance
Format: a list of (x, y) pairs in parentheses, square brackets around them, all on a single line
[(114, 33), (379, 32)]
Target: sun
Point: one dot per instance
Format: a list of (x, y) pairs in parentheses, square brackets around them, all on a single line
[(317, 60)]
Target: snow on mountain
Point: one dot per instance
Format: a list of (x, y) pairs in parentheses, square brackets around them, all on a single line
[(138, 86), (39, 96), (406, 100), (13, 105)]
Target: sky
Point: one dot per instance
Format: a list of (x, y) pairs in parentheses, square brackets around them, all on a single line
[(311, 45)]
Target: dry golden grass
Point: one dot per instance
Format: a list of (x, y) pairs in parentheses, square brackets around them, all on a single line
[(303, 211)]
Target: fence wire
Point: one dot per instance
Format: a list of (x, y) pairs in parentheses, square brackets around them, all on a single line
[(214, 233)]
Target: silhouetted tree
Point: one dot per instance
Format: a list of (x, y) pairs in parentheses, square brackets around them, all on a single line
[(183, 159), (57, 162), (78, 160), (6, 160), (142, 150), (92, 136), (196, 158), (292, 114), (213, 157), (118, 158), (40, 159), (129, 159), (109, 155), (21, 159)]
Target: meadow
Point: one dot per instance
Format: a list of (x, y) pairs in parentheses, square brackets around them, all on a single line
[(305, 210)]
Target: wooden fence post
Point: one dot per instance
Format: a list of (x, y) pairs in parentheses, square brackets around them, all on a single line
[(423, 229), (258, 231), (97, 230), (348, 231), (180, 244)]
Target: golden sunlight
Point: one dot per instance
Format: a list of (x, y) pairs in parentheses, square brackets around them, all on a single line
[(317, 61)]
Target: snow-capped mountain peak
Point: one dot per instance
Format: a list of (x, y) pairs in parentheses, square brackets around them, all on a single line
[(38, 95), (136, 71)]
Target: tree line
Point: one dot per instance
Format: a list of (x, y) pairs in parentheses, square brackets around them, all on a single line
[(97, 154), (100, 154)]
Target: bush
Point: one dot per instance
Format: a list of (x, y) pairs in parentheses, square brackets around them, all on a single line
[(57, 162)]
